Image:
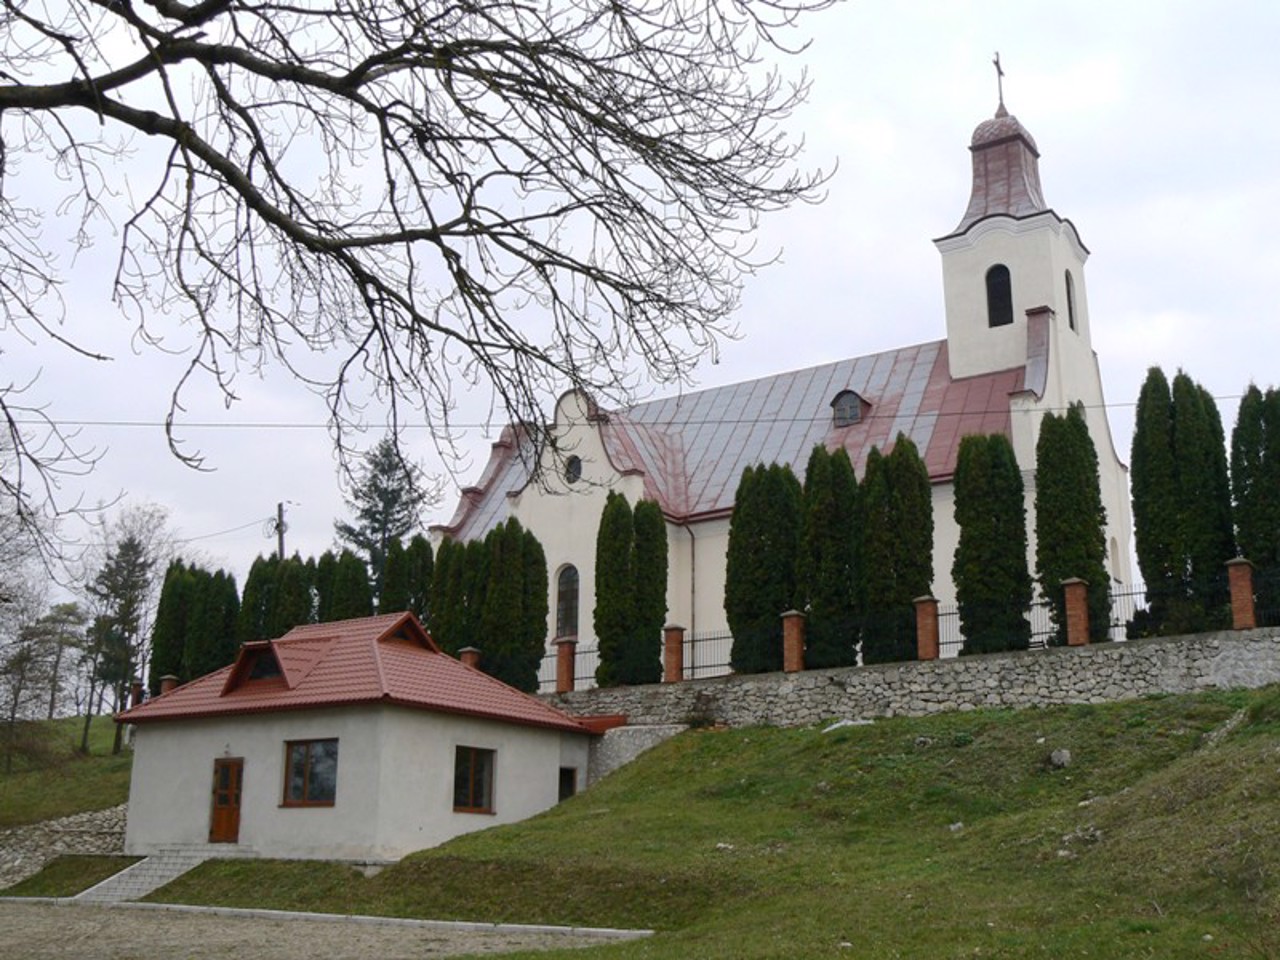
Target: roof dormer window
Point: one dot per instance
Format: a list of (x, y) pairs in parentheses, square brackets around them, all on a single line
[(264, 665), (846, 409)]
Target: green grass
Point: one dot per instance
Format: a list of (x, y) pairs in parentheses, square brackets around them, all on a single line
[(69, 875), (948, 836), (52, 779)]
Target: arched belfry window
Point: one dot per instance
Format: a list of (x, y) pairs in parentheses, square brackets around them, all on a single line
[(567, 602), (999, 297), (1071, 301)]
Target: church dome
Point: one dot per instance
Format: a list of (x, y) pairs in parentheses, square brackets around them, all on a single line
[(1006, 171), (1002, 126)]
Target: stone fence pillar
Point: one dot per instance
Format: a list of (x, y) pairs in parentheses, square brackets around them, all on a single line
[(672, 653), (1077, 604), (793, 641), (1240, 577), (926, 628), (566, 663)]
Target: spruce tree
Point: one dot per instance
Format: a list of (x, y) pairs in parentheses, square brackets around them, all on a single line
[(649, 570), (993, 585), (387, 499), (825, 571), (395, 580), (1071, 522), (614, 613)]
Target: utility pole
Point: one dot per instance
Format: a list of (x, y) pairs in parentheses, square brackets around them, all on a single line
[(278, 527)]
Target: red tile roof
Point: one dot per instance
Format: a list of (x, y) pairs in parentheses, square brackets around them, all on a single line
[(386, 659)]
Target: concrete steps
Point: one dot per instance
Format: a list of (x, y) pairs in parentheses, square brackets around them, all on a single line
[(157, 869)]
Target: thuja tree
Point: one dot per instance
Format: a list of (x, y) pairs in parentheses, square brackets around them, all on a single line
[(173, 613), (993, 585), (448, 607), (210, 633), (510, 651), (536, 604), (1255, 490), (350, 594), (897, 550), (614, 613), (631, 591), (649, 568), (826, 570), (257, 599), (1204, 492), (420, 561), (1181, 505), (1071, 522), (760, 574)]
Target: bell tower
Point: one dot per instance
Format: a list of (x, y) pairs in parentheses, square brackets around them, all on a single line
[(1010, 254)]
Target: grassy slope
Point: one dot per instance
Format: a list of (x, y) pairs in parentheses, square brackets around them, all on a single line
[(64, 782), (794, 843)]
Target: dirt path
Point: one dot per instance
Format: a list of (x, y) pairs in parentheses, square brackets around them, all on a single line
[(42, 931)]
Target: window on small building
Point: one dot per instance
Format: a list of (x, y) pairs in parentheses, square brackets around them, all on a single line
[(311, 773), (473, 780), (846, 409), (1071, 301), (999, 297), (568, 782), (567, 602)]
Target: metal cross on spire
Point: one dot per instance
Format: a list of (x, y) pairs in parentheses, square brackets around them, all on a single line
[(999, 78)]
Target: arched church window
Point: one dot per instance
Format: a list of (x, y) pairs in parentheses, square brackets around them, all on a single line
[(567, 602), (1071, 301), (999, 297)]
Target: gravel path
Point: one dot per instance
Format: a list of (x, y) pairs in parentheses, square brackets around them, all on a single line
[(48, 931)]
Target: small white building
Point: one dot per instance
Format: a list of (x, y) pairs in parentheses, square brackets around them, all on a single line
[(353, 740), (1018, 345)]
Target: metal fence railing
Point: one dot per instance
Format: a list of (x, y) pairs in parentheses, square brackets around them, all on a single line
[(1134, 612)]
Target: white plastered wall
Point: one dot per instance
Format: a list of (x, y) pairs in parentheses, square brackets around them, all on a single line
[(394, 783)]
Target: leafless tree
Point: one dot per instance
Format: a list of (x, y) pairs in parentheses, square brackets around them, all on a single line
[(409, 197)]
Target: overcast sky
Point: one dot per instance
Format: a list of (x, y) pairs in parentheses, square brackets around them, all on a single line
[(1157, 131)]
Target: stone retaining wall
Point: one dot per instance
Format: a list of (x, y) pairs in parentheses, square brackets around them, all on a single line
[(25, 850), (1093, 674)]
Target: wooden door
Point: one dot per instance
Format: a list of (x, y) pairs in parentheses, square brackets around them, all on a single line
[(224, 822)]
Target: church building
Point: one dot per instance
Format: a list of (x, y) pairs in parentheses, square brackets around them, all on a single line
[(1017, 346)]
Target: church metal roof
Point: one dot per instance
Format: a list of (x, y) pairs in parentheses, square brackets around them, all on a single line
[(691, 449)]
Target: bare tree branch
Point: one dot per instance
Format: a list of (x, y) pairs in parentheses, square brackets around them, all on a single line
[(428, 196)]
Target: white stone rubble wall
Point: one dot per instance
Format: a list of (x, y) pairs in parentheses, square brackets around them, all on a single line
[(1095, 674), (25, 850)]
